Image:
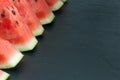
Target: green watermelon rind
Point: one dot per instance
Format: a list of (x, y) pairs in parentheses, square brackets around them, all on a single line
[(64, 1), (28, 46), (57, 6), (48, 19), (15, 59), (5, 76), (39, 31)]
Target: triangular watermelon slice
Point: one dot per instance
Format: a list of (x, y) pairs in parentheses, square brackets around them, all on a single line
[(9, 56), (54, 4), (42, 11), (13, 29), (29, 16), (4, 75)]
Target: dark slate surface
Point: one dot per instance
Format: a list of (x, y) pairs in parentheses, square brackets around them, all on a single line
[(83, 43)]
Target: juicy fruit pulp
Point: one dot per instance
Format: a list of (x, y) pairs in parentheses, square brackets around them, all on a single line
[(13, 29), (3, 75), (54, 4), (9, 56), (29, 17), (42, 11)]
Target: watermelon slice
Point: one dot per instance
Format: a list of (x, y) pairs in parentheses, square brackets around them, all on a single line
[(42, 11), (29, 16), (55, 4), (3, 75), (13, 29), (9, 55)]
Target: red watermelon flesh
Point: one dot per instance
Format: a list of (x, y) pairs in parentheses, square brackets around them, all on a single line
[(3, 75), (13, 29), (54, 4), (9, 56), (29, 16), (42, 11)]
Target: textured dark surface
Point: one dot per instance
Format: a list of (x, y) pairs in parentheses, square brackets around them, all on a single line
[(83, 43)]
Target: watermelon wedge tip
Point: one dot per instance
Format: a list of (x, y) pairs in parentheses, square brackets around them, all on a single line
[(42, 11), (16, 58), (54, 4), (39, 31), (9, 55), (48, 19), (29, 45), (57, 6), (4, 75)]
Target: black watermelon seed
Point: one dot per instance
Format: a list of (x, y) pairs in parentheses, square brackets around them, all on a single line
[(17, 23), (3, 14), (13, 12)]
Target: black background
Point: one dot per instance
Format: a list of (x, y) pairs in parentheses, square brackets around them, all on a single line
[(83, 43)]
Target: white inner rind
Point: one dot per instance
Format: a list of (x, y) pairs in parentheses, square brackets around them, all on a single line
[(57, 6), (39, 31), (29, 45), (4, 76), (48, 19), (15, 59)]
